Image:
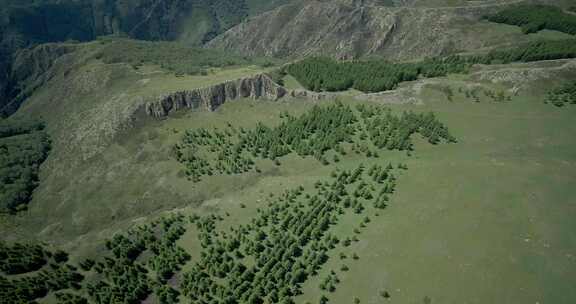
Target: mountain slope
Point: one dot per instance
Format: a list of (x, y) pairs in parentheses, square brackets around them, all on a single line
[(28, 23), (352, 29)]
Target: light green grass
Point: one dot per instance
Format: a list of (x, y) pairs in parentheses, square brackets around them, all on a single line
[(165, 83), (486, 220), (291, 83)]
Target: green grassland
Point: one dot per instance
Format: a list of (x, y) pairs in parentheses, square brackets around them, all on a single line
[(482, 221), (487, 219)]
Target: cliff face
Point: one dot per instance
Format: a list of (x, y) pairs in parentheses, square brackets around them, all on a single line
[(210, 98)]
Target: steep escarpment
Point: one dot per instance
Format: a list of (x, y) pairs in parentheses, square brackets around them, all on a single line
[(351, 29), (210, 98)]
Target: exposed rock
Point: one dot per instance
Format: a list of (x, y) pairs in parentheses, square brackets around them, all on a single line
[(210, 98), (352, 29), (311, 95), (28, 23), (522, 76)]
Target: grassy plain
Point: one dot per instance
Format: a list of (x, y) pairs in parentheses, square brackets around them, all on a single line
[(486, 220)]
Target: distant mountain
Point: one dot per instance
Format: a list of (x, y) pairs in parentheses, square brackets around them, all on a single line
[(30, 21), (395, 29)]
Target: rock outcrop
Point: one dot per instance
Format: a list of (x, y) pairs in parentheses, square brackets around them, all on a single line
[(311, 95), (210, 98)]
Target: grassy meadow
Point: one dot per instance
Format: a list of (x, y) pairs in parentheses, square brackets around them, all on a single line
[(486, 220)]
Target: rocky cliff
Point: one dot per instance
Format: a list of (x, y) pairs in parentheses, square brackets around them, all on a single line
[(210, 98)]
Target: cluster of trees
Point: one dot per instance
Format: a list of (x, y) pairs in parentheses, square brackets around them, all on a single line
[(267, 260), (166, 294), (45, 271), (563, 95), (534, 51), (168, 257), (233, 151), (474, 93), (326, 74), (124, 278), (393, 132), (23, 147), (534, 18), (123, 281), (21, 257), (329, 283), (70, 298), (121, 276), (314, 133), (205, 152), (495, 96)]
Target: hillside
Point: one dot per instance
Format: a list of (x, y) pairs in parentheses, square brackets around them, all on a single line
[(25, 22), (100, 181), (260, 168), (353, 29), (28, 23)]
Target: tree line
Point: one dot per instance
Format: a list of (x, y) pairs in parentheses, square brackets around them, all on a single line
[(326, 74), (534, 18), (534, 51)]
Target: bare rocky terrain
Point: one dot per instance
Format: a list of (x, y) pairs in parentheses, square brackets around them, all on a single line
[(353, 29)]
